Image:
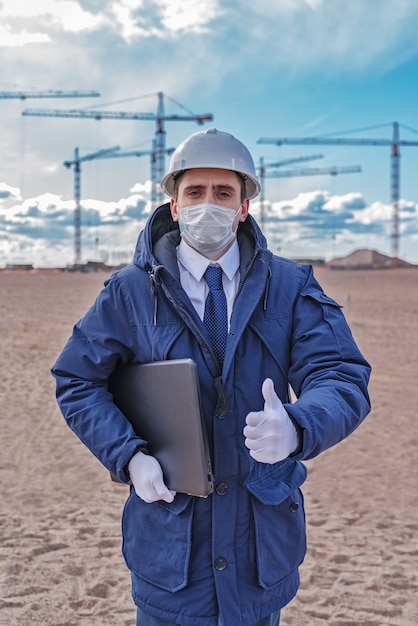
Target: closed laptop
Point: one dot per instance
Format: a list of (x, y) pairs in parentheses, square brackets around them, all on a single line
[(162, 401)]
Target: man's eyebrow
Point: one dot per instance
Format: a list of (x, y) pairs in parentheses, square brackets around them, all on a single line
[(196, 186), (225, 186)]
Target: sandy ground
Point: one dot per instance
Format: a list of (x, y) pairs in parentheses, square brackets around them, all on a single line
[(60, 560)]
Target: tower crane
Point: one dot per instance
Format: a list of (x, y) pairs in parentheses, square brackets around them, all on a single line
[(332, 170), (262, 175), (395, 143), (76, 162), (160, 135), (108, 153), (47, 93)]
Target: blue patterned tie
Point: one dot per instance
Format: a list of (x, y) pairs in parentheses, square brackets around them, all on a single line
[(216, 314)]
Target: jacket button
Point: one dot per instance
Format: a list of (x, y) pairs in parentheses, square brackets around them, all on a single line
[(220, 563), (221, 489), (294, 507)]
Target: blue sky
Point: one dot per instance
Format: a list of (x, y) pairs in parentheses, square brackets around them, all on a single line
[(299, 68)]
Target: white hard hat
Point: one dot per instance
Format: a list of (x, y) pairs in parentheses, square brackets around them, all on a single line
[(212, 148)]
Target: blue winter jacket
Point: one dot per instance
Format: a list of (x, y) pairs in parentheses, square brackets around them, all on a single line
[(237, 552)]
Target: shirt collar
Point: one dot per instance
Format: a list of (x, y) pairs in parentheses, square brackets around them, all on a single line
[(196, 263)]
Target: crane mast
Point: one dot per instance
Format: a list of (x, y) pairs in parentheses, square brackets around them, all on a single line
[(159, 146), (393, 143), (76, 162), (395, 185)]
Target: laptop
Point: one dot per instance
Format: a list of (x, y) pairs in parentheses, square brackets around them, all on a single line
[(162, 401)]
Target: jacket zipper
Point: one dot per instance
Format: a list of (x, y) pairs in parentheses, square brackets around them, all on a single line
[(186, 314), (244, 276)]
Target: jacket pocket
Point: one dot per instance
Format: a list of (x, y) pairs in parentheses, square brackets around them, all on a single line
[(333, 316), (157, 540), (279, 520)]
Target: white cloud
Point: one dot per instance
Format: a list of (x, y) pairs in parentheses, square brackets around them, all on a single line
[(68, 14), (142, 187), (302, 34), (319, 224), (41, 231), (10, 39), (124, 12), (188, 15), (162, 18), (377, 211), (6, 191), (351, 201)]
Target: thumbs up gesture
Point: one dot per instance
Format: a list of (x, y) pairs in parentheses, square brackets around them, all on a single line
[(270, 435)]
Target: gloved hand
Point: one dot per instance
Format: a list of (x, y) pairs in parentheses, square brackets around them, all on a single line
[(270, 434), (147, 478)]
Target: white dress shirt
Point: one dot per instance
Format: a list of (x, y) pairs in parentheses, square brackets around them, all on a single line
[(193, 265)]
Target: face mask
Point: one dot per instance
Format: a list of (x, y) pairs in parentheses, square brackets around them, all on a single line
[(207, 227)]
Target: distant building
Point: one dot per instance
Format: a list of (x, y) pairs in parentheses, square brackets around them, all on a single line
[(19, 266)]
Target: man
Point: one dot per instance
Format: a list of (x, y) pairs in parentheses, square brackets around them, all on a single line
[(232, 558)]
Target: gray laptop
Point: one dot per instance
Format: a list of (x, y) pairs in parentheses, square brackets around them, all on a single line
[(162, 401)]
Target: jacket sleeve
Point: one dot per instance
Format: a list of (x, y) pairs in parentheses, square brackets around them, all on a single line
[(328, 373), (100, 340)]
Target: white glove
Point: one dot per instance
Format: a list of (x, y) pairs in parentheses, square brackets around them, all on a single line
[(270, 434), (147, 478)]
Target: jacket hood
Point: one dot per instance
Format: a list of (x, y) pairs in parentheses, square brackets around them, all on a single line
[(158, 240)]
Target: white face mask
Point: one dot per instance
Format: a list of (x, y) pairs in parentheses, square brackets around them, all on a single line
[(208, 227)]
